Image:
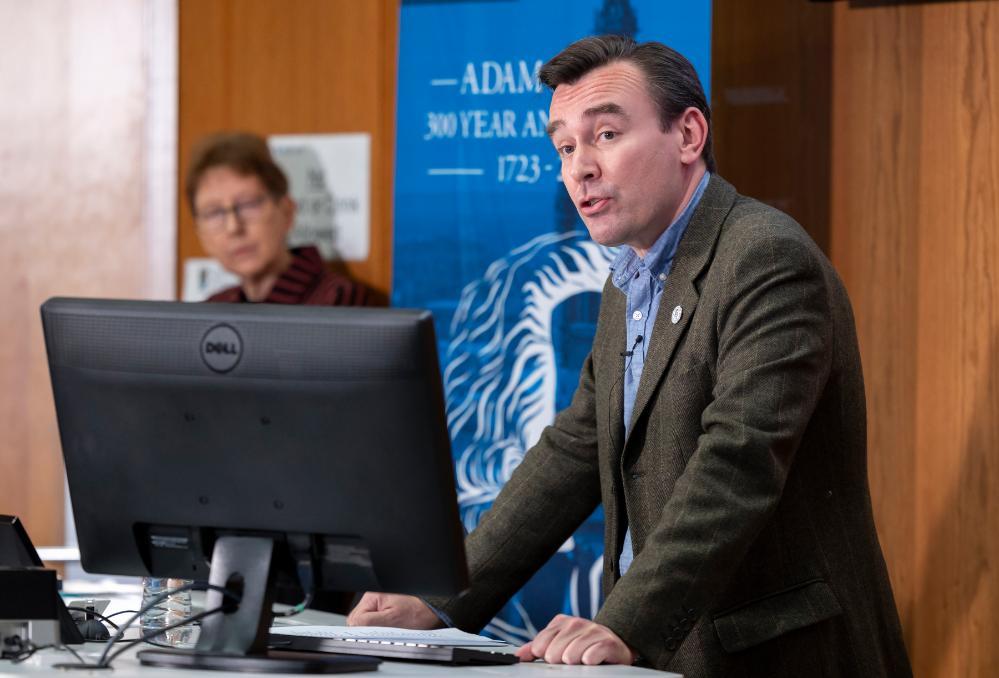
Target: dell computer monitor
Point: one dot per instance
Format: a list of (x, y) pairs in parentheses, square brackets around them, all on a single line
[(191, 431)]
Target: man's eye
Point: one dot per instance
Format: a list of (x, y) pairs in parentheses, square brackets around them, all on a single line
[(565, 150), (608, 135)]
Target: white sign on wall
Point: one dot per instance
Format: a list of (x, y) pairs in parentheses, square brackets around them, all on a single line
[(204, 277), (330, 181)]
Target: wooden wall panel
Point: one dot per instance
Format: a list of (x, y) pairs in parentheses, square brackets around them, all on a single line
[(73, 209), (873, 243), (957, 510), (294, 67), (771, 116), (915, 211)]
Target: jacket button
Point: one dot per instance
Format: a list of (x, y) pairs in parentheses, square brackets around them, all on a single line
[(672, 645)]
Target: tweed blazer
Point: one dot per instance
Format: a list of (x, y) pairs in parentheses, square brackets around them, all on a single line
[(744, 477)]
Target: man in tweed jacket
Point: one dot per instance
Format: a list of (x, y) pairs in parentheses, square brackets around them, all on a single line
[(719, 419)]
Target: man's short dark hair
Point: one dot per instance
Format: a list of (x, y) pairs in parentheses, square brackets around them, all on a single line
[(672, 81), (244, 153)]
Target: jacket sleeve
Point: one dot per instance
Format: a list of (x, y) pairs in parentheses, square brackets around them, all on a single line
[(551, 492), (774, 333)]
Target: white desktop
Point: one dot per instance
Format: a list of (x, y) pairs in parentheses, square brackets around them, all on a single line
[(127, 665)]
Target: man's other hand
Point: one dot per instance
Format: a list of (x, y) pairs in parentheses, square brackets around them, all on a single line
[(390, 609), (571, 640)]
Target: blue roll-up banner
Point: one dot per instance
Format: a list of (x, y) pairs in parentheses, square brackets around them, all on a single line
[(486, 237)]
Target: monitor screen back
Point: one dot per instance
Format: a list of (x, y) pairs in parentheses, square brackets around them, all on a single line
[(298, 421)]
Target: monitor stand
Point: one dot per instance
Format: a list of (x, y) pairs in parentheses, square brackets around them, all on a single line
[(236, 639)]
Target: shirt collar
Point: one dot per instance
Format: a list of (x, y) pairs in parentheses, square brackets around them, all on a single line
[(659, 259)]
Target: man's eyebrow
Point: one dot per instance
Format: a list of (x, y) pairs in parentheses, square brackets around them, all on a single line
[(609, 108)]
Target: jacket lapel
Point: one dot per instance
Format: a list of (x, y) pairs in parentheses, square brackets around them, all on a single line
[(680, 292), (617, 306)]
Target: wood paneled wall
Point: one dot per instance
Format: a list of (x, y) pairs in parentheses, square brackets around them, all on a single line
[(76, 153), (910, 152), (915, 225), (294, 67), (771, 116)]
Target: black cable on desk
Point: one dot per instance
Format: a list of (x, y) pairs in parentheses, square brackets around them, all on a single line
[(200, 586), (304, 566), (158, 632), (30, 649), (100, 616), (73, 652), (104, 662)]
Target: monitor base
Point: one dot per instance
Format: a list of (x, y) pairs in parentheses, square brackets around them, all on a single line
[(275, 661), (235, 637)]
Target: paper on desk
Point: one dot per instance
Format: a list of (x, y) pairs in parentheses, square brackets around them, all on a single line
[(449, 637)]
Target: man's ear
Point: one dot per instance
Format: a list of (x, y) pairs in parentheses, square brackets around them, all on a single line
[(693, 127)]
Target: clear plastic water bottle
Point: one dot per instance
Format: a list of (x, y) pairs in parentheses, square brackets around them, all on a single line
[(170, 611)]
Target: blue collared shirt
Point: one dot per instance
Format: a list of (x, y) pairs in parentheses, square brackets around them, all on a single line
[(642, 280)]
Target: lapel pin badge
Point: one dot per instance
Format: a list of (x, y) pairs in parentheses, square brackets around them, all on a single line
[(677, 314)]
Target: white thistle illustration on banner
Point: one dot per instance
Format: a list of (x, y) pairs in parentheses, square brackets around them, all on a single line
[(500, 381)]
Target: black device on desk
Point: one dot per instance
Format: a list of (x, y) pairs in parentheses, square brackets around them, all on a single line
[(256, 437), (16, 550)]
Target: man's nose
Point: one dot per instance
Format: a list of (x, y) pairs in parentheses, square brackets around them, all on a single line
[(584, 165)]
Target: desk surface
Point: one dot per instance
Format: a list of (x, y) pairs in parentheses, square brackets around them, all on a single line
[(127, 665)]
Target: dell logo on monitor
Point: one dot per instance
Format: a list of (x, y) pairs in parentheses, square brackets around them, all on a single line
[(221, 348)]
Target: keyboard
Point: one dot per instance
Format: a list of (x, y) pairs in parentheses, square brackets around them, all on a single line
[(393, 649)]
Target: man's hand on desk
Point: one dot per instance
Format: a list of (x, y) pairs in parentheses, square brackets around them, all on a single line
[(571, 640), (390, 609)]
